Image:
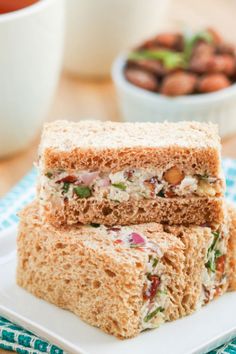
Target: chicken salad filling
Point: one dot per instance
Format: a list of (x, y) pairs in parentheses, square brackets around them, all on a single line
[(130, 183), (214, 275), (155, 297)]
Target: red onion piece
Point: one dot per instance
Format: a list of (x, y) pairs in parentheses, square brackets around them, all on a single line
[(136, 239), (88, 178), (116, 229), (105, 182), (68, 179), (151, 292), (118, 241)]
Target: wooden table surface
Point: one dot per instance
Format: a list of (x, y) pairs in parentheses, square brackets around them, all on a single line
[(76, 98)]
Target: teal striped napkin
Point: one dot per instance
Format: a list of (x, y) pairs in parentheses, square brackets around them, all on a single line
[(13, 337)]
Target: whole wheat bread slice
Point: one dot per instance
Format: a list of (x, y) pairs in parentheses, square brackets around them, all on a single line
[(113, 146), (108, 147), (106, 280), (178, 211)]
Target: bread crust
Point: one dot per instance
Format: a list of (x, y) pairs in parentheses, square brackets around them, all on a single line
[(81, 270), (196, 242), (189, 160), (110, 146), (195, 210)]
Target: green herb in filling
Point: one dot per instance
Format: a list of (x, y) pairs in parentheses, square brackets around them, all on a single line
[(49, 174), (216, 238), (132, 245), (66, 186), (119, 185), (94, 224), (153, 314), (162, 292), (211, 265), (203, 177), (155, 261), (82, 191), (217, 254), (161, 194)]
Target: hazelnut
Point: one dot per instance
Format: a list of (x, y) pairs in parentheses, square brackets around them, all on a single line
[(153, 66), (169, 40), (217, 39), (173, 176), (179, 83), (213, 82), (141, 78), (223, 63)]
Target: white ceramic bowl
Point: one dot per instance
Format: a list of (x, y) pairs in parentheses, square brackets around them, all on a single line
[(31, 46), (141, 105), (97, 30)]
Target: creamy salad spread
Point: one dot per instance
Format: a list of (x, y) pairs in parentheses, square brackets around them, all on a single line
[(130, 183), (155, 298), (214, 273)]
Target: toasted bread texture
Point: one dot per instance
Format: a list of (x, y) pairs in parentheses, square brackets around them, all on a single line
[(232, 247), (103, 279), (194, 210), (111, 146)]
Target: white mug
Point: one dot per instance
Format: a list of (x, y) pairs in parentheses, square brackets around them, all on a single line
[(97, 30), (31, 47)]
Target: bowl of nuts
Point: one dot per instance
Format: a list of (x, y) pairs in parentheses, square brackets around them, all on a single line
[(176, 76)]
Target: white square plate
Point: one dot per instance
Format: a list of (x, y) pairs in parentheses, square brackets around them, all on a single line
[(198, 333)]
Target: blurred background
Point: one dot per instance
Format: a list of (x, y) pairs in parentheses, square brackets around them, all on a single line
[(58, 66)]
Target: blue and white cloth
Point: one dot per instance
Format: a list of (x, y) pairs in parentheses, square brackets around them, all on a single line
[(15, 338), (19, 196)]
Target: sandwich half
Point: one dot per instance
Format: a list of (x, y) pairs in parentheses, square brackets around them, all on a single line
[(122, 279), (130, 173)]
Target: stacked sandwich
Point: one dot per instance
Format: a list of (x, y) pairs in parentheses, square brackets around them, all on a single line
[(130, 227)]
